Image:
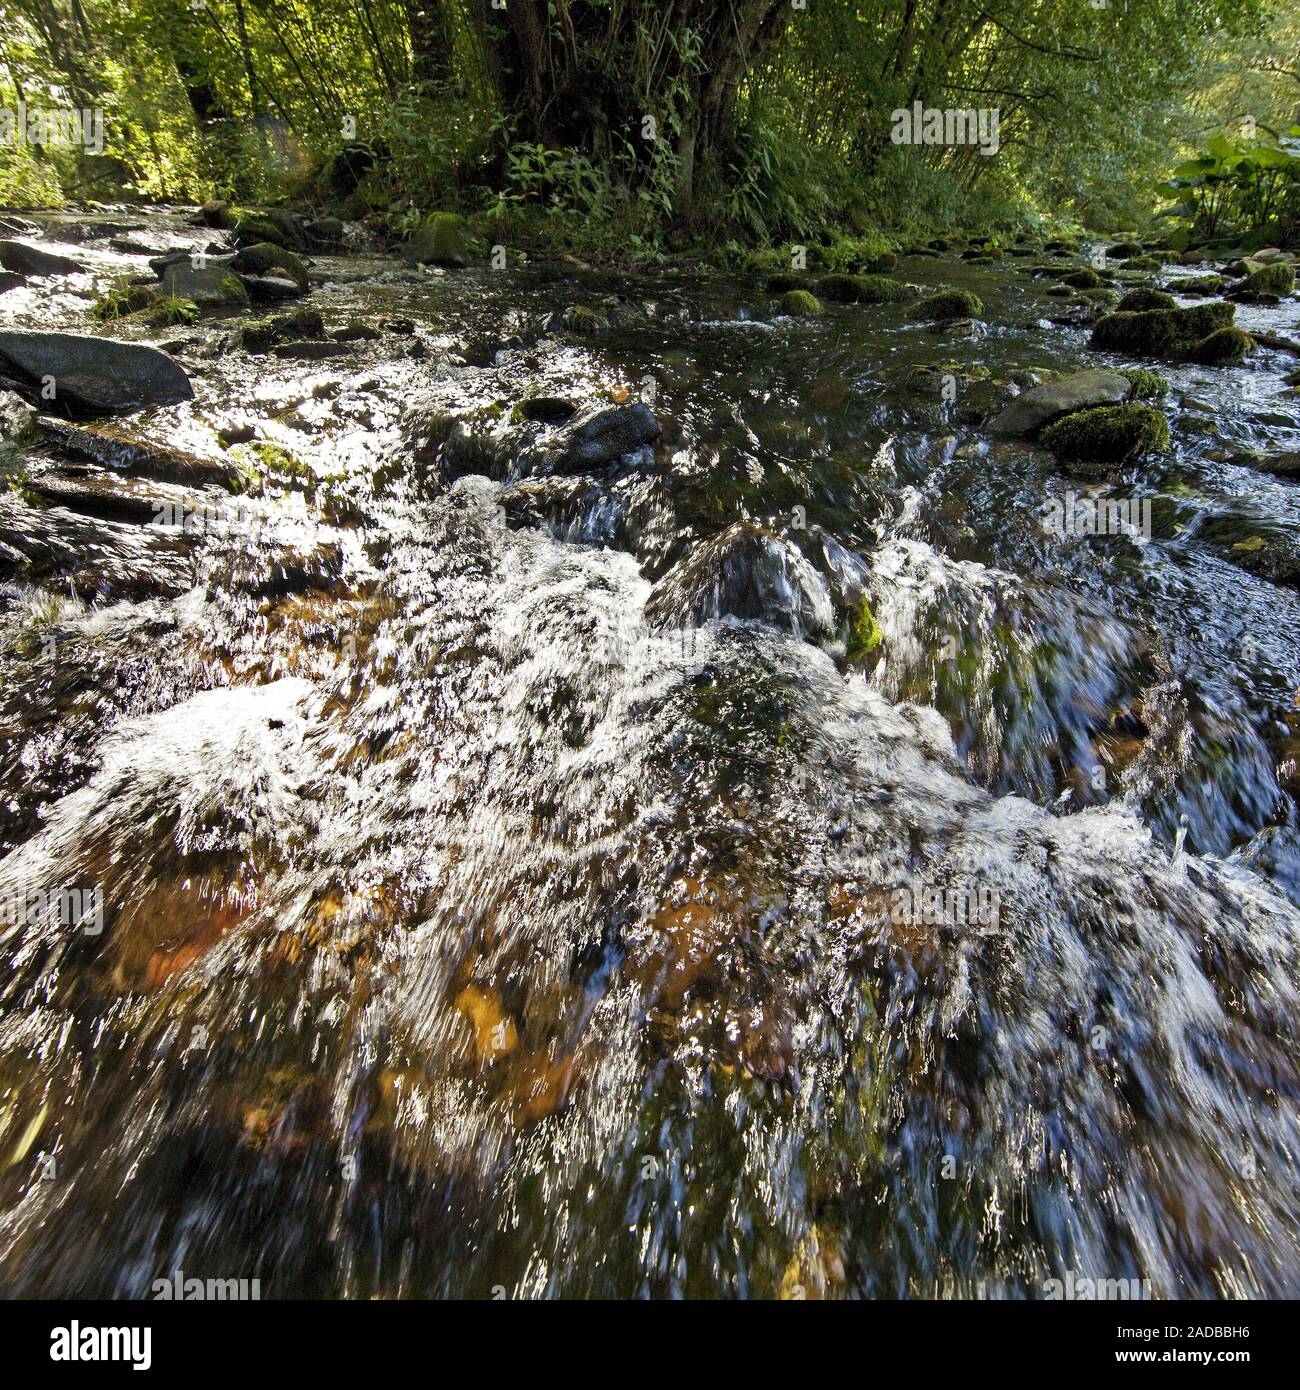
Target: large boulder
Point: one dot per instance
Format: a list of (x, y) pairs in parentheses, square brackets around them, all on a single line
[(1171, 333), (22, 259), (442, 240), (607, 437), (90, 375), (1040, 405)]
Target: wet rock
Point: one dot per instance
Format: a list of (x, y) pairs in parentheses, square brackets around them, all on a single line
[(356, 333), (949, 304), (1161, 332), (549, 410), (117, 449), (303, 323), (210, 287), (1222, 348), (273, 225), (746, 572), (1033, 409), (311, 351), (864, 289), (274, 289), (95, 493), (326, 232), (1270, 282), (442, 240), (96, 558), (17, 419), (21, 259), (263, 257), (1144, 300), (799, 304), (1108, 434), (11, 281), (1256, 547), (90, 375), (609, 436)]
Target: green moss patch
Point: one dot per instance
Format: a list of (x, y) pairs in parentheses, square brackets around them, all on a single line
[(1108, 434), (799, 304), (948, 304), (1162, 332)]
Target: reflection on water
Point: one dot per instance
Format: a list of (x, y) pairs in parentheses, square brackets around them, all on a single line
[(551, 883)]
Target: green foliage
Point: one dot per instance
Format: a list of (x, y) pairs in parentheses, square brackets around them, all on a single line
[(865, 633), (1239, 185)]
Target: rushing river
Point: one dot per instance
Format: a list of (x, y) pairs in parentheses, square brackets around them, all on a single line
[(471, 920)]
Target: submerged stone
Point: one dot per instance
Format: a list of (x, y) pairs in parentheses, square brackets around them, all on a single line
[(746, 572)]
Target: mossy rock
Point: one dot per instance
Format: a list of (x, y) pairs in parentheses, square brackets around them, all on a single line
[(265, 256), (799, 304), (1143, 263), (208, 286), (443, 239), (1202, 284), (1103, 294), (1162, 332), (840, 289), (780, 284), (1145, 385), (863, 289), (1269, 281), (948, 304), (1063, 244), (275, 225), (1123, 250), (1108, 434), (886, 260), (1083, 279), (1144, 300), (1223, 346)]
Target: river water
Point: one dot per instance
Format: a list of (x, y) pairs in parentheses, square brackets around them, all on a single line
[(488, 910)]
